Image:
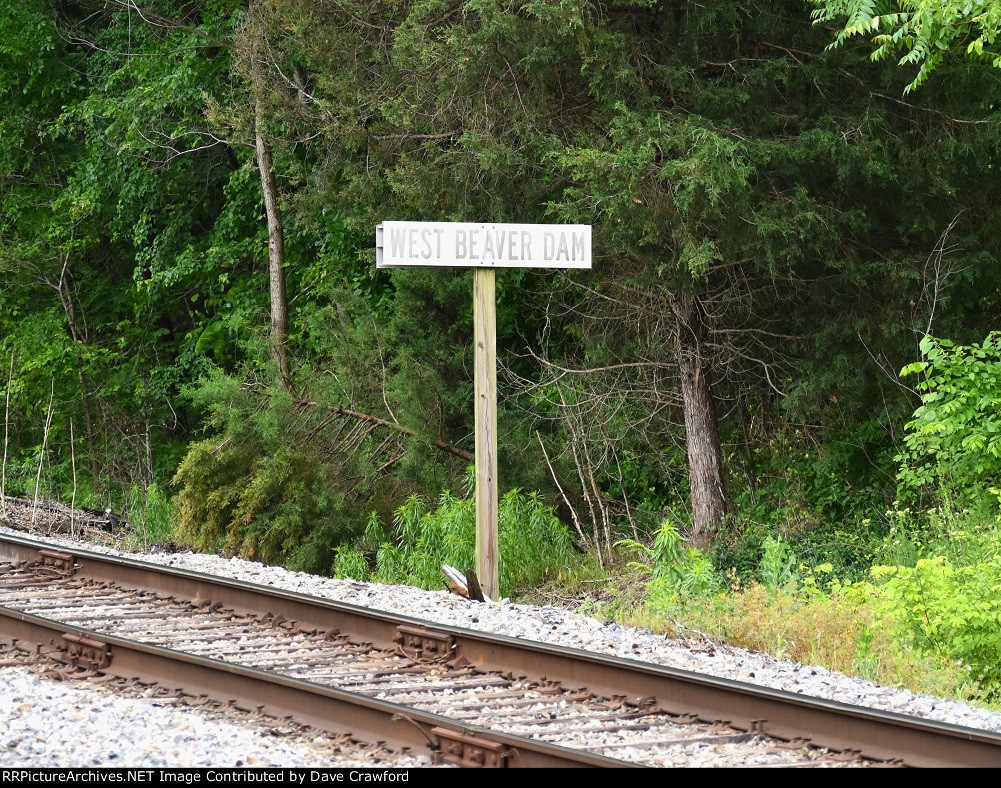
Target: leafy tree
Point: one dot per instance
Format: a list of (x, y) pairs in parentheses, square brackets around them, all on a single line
[(111, 189), (954, 438), (775, 229), (759, 212), (926, 30)]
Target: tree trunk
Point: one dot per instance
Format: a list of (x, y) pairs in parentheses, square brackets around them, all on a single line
[(276, 252), (705, 455)]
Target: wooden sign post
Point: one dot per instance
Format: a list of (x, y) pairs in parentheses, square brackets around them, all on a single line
[(484, 247), (485, 392)]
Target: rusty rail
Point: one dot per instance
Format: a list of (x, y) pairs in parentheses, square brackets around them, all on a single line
[(875, 734), (329, 708)]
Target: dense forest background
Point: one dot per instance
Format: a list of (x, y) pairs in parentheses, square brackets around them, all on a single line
[(193, 330)]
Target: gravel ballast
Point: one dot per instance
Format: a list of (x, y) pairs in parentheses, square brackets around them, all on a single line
[(546, 624), (50, 724)]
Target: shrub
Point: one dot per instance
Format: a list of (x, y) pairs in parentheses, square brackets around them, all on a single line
[(954, 438), (281, 507), (150, 513), (350, 562), (674, 567), (778, 565), (950, 611), (534, 545)]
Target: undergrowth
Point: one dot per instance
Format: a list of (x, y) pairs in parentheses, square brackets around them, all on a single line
[(150, 513), (933, 628), (534, 545)]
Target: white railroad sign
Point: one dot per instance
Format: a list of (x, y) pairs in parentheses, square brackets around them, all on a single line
[(484, 247), (421, 244)]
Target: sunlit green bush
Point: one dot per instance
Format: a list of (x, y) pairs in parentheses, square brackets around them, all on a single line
[(534, 545)]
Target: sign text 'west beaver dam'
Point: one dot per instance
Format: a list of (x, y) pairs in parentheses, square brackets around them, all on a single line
[(465, 244)]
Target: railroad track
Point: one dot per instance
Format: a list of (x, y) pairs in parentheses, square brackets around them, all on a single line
[(459, 696)]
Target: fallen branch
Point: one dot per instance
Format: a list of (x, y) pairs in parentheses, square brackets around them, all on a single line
[(448, 448)]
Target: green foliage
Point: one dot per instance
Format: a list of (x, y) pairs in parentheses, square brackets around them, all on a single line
[(778, 565), (954, 438), (669, 553), (815, 495), (717, 151), (950, 611), (964, 536), (927, 30), (279, 508), (534, 545), (675, 569), (260, 489), (105, 180), (811, 615), (350, 562), (151, 515)]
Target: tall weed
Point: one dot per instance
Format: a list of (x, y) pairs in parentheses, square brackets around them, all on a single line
[(151, 515), (952, 612), (534, 545)]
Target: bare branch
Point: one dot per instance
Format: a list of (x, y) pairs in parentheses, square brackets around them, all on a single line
[(444, 446)]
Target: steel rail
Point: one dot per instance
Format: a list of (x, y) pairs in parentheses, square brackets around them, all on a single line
[(328, 708), (876, 734)]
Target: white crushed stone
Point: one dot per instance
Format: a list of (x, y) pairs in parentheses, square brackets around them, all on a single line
[(560, 627), (76, 725)]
